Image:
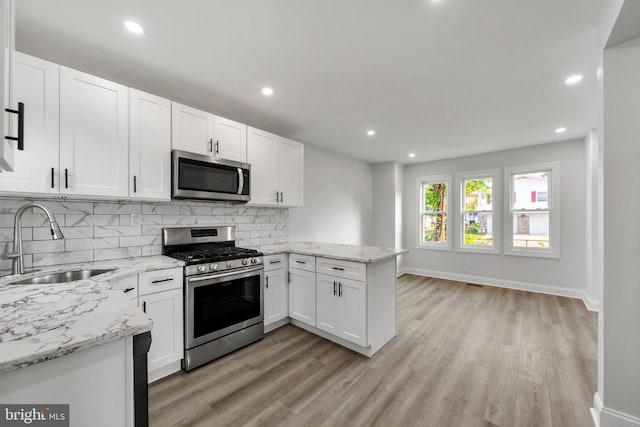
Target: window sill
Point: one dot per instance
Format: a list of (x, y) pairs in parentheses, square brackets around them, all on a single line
[(434, 247), (479, 250), (532, 253)]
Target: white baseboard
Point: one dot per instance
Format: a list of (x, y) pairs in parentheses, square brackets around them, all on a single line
[(590, 304), (605, 417)]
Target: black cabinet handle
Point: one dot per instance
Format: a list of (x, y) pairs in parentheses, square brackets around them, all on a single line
[(266, 281), (289, 277), (334, 288), (338, 268), (144, 306), (274, 262), (66, 178), (128, 290), (20, 137), (300, 262), (134, 184), (168, 279), (277, 197), (217, 147), (211, 145), (281, 197), (339, 289), (52, 179)]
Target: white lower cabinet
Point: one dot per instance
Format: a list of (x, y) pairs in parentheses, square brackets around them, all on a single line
[(302, 296), (276, 296), (165, 308), (342, 308)]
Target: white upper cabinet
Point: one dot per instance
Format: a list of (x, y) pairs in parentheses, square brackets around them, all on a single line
[(94, 135), (277, 169), (36, 84), (262, 154), (192, 129), (291, 172), (149, 146), (230, 140), (7, 147)]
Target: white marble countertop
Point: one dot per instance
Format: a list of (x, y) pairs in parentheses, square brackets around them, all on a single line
[(43, 322), (365, 254)]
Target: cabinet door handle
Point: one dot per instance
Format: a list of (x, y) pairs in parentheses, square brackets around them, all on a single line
[(266, 281), (134, 184), (211, 145), (168, 279), (128, 290), (338, 268), (144, 306), (339, 289), (52, 178), (281, 197), (66, 178), (20, 137), (217, 147), (334, 288), (289, 277), (277, 197)]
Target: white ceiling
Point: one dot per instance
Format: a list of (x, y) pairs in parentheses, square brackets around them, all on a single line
[(443, 79)]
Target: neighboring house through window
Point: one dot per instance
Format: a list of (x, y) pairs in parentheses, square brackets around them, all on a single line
[(532, 227), (434, 201)]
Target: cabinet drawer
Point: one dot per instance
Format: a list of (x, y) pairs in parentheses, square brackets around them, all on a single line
[(339, 268), (302, 262), (128, 285), (273, 262), (160, 280)]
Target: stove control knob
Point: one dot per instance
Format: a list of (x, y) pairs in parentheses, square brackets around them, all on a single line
[(213, 266), (202, 268), (229, 264), (245, 261), (254, 260)]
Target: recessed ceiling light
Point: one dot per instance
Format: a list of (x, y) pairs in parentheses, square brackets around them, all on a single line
[(267, 91), (412, 155), (561, 130), (371, 132), (574, 79), (134, 27)]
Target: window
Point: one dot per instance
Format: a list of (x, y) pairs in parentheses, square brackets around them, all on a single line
[(434, 210), (478, 217), (533, 228)]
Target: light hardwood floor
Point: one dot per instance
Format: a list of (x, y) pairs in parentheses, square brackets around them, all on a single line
[(464, 356)]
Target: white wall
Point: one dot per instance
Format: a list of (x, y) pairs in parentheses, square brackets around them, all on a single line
[(337, 199), (564, 276), (620, 316)]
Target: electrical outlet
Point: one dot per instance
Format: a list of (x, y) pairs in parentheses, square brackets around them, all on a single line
[(469, 261), (135, 219)]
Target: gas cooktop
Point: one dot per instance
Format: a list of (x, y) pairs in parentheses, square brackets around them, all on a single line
[(214, 254)]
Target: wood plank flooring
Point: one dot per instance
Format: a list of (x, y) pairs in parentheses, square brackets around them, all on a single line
[(464, 356)]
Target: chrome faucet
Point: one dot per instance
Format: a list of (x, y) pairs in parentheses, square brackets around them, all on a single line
[(17, 266)]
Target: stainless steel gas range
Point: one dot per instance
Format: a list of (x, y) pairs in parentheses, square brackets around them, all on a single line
[(223, 291)]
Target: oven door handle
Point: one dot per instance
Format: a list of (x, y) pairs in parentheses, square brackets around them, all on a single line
[(241, 181), (217, 276)]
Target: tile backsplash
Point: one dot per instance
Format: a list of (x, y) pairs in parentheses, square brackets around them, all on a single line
[(97, 231)]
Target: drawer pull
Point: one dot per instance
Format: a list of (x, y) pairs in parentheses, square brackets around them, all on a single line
[(339, 289), (334, 289), (128, 290), (168, 279), (300, 262), (338, 268), (275, 262)]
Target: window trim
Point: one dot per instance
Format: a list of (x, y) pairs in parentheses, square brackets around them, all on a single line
[(433, 179), (497, 210), (553, 208)]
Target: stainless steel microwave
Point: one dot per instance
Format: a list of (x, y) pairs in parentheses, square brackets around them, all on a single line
[(194, 176)]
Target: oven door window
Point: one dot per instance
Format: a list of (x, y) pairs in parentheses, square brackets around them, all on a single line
[(202, 176), (224, 304)]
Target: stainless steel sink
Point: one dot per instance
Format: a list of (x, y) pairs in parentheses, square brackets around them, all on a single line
[(63, 277)]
